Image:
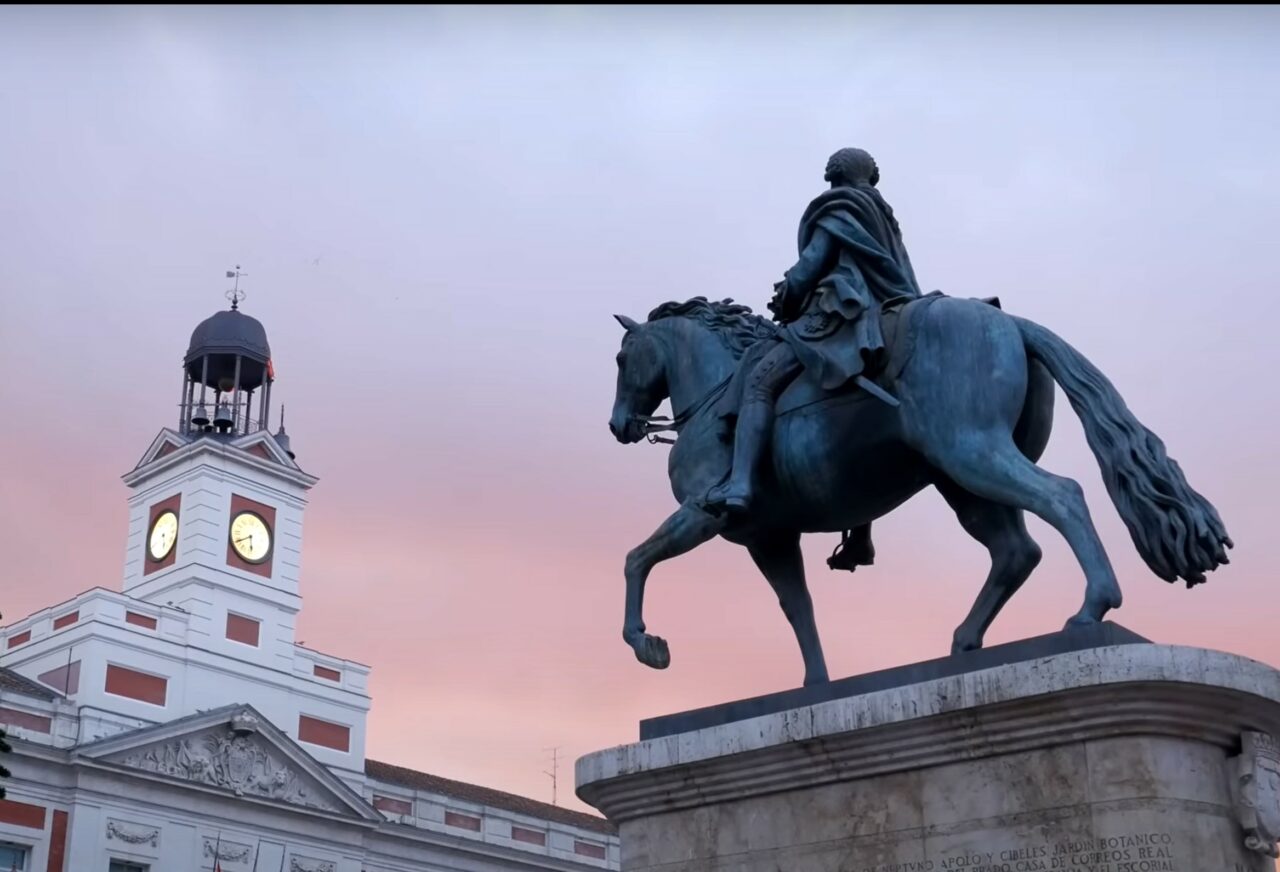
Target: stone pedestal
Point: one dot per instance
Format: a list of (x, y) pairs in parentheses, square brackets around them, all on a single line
[(1125, 758)]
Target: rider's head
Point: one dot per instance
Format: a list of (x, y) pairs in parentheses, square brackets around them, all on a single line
[(851, 166)]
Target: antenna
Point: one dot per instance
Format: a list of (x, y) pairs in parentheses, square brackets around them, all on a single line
[(235, 295), (554, 774)]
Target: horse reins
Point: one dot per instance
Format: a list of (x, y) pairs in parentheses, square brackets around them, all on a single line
[(655, 424)]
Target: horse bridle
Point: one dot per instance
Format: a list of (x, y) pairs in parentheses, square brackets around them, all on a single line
[(654, 424)]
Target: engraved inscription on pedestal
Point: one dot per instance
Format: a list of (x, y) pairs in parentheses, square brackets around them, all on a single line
[(1257, 784)]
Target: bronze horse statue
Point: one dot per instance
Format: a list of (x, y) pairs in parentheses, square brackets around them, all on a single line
[(974, 391)]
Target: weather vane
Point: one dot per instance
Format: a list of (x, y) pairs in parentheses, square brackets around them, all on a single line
[(235, 295)]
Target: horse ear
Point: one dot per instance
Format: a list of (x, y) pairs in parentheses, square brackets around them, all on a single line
[(627, 323)]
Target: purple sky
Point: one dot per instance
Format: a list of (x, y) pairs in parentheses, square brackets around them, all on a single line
[(439, 209)]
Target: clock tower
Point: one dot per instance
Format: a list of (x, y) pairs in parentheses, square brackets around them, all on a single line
[(216, 503)]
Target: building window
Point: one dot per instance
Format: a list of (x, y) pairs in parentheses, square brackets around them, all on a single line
[(532, 837), (20, 639), (140, 620), (324, 733), (389, 805), (462, 821), (65, 680), (13, 857), (66, 620), (243, 630), (326, 673), (136, 685), (123, 866), (588, 849)]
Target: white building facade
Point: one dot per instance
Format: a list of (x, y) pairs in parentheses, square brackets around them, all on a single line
[(177, 724)]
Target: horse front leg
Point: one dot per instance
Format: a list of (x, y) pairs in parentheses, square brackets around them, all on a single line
[(685, 530), (779, 559)]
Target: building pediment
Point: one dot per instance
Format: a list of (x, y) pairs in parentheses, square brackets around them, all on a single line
[(166, 442), (255, 451), (232, 749), (263, 444)]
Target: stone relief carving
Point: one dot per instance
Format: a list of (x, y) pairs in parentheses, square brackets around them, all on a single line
[(1257, 787), (133, 836), (229, 757), (305, 864), (228, 851)]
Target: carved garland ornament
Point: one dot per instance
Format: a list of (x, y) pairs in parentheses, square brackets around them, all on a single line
[(1257, 783), (228, 851), (303, 864), (145, 836)]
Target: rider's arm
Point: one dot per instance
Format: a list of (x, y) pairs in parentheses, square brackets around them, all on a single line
[(804, 276)]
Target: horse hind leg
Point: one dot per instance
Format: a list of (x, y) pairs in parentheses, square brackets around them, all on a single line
[(1014, 555), (991, 466)]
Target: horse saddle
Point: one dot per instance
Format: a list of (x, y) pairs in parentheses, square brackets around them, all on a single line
[(898, 323)]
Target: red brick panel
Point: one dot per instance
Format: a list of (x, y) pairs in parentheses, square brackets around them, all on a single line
[(172, 504), (20, 639), (64, 679), (324, 733), (393, 806), (242, 629), (462, 821), (136, 685), (26, 720), (587, 849), (58, 842), (140, 620), (22, 814), (66, 620), (533, 837), (241, 504), (327, 673)]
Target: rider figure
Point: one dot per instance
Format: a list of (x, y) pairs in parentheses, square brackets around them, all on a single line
[(852, 261)]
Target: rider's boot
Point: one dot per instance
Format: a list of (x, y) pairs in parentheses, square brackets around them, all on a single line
[(755, 420), (855, 549)]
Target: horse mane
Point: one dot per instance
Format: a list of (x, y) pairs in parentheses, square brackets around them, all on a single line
[(735, 324)]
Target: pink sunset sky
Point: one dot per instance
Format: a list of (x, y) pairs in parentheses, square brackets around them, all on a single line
[(440, 209)]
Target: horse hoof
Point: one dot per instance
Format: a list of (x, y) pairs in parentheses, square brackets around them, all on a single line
[(1078, 621), (961, 646), (653, 652)]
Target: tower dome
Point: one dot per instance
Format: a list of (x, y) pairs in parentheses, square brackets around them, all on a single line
[(223, 338), (230, 356)]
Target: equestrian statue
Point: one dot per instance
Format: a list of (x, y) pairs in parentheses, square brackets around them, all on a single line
[(863, 393)]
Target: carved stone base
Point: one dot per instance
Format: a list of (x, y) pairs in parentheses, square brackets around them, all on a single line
[(1133, 758)]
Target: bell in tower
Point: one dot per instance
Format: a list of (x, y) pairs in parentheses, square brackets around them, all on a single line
[(227, 363)]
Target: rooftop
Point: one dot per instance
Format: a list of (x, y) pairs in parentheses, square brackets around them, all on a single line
[(415, 780), (12, 682)]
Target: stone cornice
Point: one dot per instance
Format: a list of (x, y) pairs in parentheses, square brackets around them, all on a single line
[(1123, 690), (208, 446)]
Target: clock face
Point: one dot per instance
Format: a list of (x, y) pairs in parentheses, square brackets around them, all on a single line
[(251, 537), (164, 533)]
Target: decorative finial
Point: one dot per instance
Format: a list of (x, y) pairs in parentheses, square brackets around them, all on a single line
[(235, 295)]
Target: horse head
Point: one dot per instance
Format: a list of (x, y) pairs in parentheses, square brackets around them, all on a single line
[(642, 381), (682, 351)]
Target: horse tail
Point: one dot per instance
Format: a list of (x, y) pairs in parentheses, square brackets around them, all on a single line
[(1177, 531)]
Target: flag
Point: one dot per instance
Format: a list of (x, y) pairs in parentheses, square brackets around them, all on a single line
[(230, 274)]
